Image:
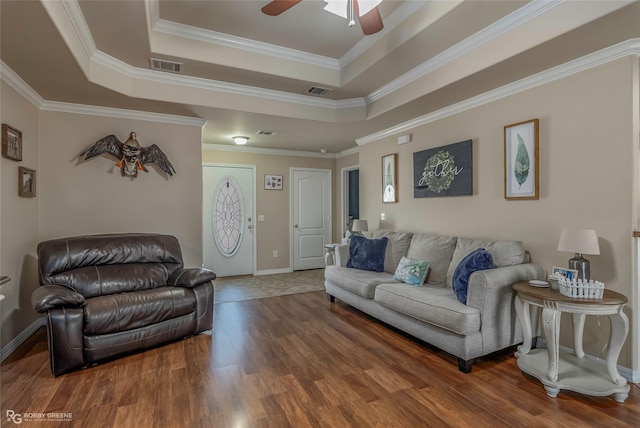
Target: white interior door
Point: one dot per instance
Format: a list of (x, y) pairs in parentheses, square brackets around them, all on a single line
[(228, 223), (311, 217)]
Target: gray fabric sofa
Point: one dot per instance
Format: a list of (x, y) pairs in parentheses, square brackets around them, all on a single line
[(432, 312)]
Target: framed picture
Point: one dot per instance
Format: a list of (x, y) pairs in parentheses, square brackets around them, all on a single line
[(443, 171), (521, 160), (272, 182), (567, 273), (26, 182), (390, 178), (11, 143)]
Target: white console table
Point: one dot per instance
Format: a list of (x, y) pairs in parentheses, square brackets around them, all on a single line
[(561, 370)]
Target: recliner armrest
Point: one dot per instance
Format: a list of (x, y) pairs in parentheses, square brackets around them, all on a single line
[(54, 296), (190, 277)]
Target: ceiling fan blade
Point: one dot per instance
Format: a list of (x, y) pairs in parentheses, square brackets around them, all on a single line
[(276, 7), (371, 22)]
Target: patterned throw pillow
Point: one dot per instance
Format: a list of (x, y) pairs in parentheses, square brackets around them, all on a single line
[(411, 271)]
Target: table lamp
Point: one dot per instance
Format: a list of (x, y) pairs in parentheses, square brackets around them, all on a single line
[(359, 226), (579, 241)]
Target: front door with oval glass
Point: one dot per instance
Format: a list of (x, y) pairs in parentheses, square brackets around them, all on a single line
[(227, 220)]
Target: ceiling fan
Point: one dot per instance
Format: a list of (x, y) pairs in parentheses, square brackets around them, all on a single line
[(366, 11)]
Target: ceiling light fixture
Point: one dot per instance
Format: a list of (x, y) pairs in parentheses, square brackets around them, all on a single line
[(241, 141), (345, 8)]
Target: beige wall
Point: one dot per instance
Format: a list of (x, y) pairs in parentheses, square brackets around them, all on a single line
[(92, 197), (75, 198), (19, 220), (273, 232), (587, 174)]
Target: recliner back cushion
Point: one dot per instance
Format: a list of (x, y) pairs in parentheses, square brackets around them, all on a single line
[(106, 264), (93, 281)]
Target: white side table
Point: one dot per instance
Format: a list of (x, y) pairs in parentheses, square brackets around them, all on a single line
[(329, 253), (561, 370)]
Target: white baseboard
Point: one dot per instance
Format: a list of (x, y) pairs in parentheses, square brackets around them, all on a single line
[(627, 373), (273, 271), (19, 340)]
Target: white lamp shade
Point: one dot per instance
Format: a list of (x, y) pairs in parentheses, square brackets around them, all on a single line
[(580, 241), (360, 226)]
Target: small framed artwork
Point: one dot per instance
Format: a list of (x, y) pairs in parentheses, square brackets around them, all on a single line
[(567, 273), (11, 143), (272, 182), (26, 182), (521, 164), (390, 178)]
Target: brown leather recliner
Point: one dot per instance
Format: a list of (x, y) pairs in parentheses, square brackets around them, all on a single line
[(108, 295)]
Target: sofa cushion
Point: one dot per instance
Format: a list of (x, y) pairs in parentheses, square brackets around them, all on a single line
[(361, 282), (437, 250), (411, 271), (476, 260), (367, 254), (128, 311), (397, 247), (431, 304), (504, 253)]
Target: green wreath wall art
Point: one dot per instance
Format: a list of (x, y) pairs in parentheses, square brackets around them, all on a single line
[(444, 171)]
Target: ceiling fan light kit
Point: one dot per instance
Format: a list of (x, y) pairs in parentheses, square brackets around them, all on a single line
[(366, 11), (345, 8)]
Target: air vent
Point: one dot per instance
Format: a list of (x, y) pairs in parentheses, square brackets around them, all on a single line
[(164, 65), (262, 132), (317, 90)]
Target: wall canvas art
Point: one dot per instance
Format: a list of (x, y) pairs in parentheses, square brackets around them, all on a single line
[(521, 160), (443, 171)]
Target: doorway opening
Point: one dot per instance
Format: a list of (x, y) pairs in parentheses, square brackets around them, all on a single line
[(350, 197)]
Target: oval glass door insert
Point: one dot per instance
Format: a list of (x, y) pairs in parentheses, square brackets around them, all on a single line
[(228, 216)]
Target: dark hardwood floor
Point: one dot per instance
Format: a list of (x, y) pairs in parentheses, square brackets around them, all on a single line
[(295, 361)]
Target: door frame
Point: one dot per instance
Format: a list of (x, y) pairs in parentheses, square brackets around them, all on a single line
[(291, 205), (344, 197), (254, 237)]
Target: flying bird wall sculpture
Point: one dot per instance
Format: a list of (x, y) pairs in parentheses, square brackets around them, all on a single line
[(131, 156)]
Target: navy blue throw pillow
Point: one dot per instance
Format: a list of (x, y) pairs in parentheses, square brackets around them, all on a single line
[(476, 260), (367, 254)]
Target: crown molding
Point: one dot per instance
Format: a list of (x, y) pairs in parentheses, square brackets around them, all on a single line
[(520, 16), (263, 151), (72, 7), (400, 14), (16, 82), (348, 152), (612, 53), (122, 113), (253, 46)]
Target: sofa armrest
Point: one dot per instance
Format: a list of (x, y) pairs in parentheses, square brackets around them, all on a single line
[(341, 255), (190, 277), (491, 293), (55, 296)]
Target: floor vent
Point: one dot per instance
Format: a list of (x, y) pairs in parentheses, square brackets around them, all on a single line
[(164, 65), (317, 90), (262, 132)]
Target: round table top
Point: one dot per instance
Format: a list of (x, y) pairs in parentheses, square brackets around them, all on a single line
[(610, 297)]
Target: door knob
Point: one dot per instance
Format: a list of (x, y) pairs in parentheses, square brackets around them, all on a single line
[(250, 227), (295, 225)]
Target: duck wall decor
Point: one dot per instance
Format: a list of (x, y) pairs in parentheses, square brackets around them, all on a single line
[(131, 156)]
